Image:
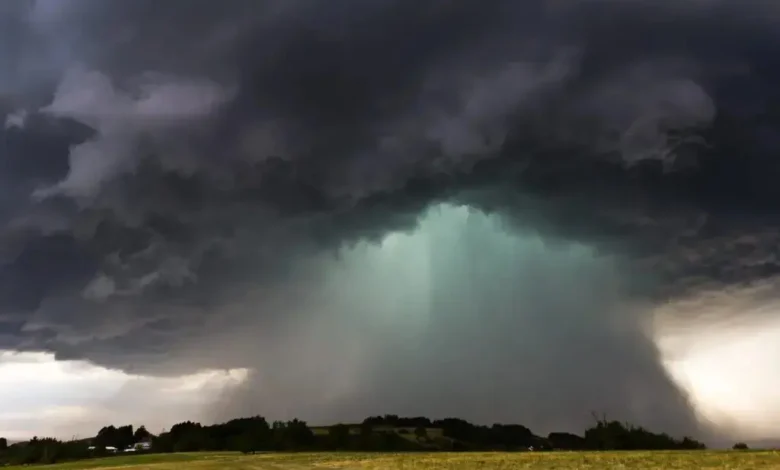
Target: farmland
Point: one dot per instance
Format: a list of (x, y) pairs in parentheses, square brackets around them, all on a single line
[(680, 460)]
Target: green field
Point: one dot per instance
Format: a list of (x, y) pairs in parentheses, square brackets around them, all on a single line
[(493, 460)]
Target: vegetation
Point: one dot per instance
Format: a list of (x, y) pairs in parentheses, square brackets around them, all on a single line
[(636, 460), (388, 433)]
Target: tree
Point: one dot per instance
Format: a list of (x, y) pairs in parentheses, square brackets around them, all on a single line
[(740, 446), (339, 436), (299, 435), (124, 437), (366, 435), (141, 434), (105, 437), (566, 441), (375, 433), (163, 443), (246, 443)]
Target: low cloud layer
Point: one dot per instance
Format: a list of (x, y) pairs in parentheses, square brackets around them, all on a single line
[(372, 205)]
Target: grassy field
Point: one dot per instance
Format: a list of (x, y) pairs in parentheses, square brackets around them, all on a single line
[(433, 461)]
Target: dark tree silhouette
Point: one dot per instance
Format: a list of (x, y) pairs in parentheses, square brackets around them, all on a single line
[(141, 434), (339, 435), (378, 433)]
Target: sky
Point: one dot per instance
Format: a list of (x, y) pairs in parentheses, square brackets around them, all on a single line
[(46, 397), (527, 212)]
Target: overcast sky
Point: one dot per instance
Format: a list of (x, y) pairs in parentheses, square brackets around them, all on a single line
[(46, 397), (498, 210)]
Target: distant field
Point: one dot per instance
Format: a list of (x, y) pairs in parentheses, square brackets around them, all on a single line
[(435, 440), (435, 461)]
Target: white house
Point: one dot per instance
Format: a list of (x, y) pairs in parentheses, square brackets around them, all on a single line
[(108, 448), (143, 445)]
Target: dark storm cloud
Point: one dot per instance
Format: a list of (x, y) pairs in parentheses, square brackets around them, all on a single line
[(174, 171)]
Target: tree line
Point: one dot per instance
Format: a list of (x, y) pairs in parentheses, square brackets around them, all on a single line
[(376, 433)]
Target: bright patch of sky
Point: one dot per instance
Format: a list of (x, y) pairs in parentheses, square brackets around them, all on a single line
[(43, 397), (729, 368)]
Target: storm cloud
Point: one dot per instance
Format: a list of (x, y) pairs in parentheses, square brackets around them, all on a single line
[(479, 209)]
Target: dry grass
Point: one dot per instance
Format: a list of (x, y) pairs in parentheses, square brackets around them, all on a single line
[(435, 461)]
